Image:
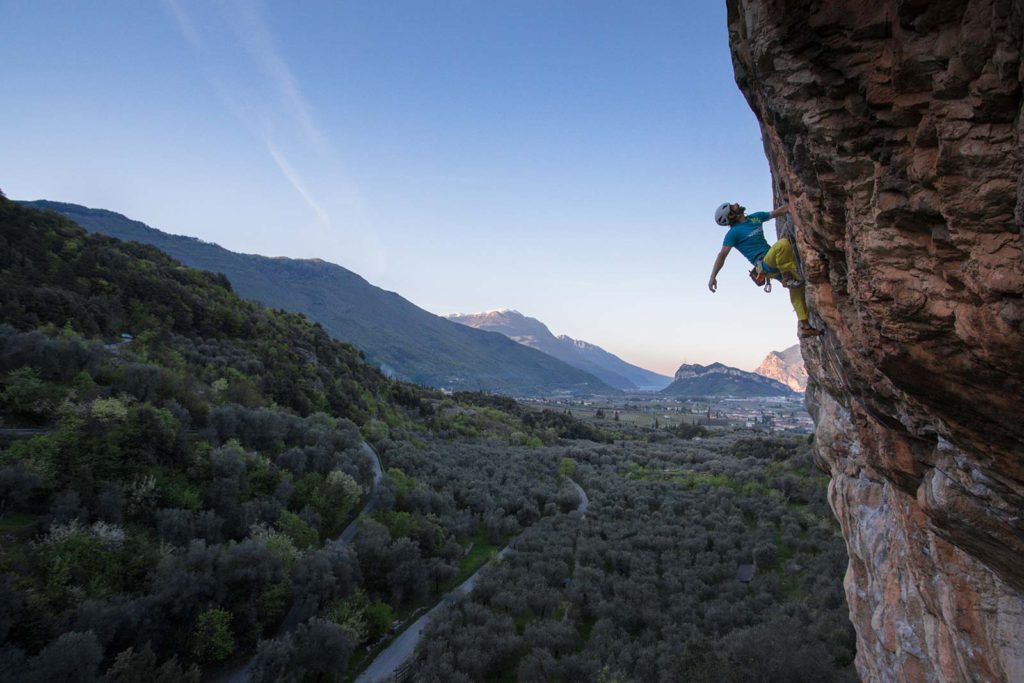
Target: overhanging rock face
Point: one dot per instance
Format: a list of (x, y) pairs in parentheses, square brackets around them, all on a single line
[(893, 129)]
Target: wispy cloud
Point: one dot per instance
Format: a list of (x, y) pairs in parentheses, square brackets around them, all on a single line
[(272, 108), (188, 31), (252, 32), (296, 180)]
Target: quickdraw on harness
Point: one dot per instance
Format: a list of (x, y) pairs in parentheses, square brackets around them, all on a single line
[(761, 274)]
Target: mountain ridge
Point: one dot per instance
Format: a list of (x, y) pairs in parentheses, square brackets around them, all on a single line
[(581, 354), (393, 333), (718, 379)]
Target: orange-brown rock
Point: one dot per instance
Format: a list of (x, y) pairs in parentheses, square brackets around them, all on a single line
[(786, 367), (893, 129)]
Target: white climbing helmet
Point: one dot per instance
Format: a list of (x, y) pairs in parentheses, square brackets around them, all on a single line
[(722, 214)]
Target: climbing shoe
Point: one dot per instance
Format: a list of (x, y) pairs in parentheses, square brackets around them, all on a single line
[(806, 330), (789, 281)]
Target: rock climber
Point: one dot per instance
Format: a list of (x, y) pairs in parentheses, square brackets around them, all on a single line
[(746, 233)]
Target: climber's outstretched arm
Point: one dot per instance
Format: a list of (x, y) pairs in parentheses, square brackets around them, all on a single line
[(719, 262), (782, 210)]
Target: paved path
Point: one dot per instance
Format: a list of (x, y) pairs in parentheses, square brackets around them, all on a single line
[(402, 647), (584, 501), (292, 618), (378, 476), (10, 434)]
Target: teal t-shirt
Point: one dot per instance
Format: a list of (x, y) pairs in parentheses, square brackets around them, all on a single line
[(748, 236)]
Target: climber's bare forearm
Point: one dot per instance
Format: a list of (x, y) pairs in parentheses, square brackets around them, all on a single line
[(719, 262)]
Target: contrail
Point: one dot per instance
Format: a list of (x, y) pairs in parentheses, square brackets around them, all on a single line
[(251, 32), (296, 180)]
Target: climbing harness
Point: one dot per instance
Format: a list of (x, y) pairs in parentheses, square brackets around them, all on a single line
[(761, 274), (760, 279)]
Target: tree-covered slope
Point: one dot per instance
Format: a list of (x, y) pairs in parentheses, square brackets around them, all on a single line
[(53, 272), (177, 466), (393, 333), (192, 450)]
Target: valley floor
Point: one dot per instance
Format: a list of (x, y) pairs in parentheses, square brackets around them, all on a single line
[(768, 415), (654, 583)]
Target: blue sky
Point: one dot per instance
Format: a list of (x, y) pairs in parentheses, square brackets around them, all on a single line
[(560, 157)]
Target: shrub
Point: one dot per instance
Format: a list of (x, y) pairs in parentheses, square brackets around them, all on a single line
[(212, 640), (301, 534)]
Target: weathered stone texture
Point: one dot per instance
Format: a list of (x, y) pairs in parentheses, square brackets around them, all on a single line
[(894, 131), (786, 367)]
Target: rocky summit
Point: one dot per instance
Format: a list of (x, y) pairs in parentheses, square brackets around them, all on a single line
[(893, 129), (721, 380), (581, 355), (786, 367)]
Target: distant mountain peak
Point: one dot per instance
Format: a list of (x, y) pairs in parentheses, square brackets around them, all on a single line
[(578, 353), (786, 367), (496, 313), (719, 379)]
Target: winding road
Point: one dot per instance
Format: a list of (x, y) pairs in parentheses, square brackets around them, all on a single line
[(291, 620), (349, 533), (584, 501), (402, 647)]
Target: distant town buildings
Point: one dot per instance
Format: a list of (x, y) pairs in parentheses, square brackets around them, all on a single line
[(775, 414)]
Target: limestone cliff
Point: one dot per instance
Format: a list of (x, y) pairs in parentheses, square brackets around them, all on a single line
[(893, 129), (786, 367), (721, 380)]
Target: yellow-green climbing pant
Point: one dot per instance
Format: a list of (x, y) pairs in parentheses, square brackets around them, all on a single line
[(780, 257)]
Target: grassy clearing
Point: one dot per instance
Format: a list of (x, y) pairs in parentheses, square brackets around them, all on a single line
[(17, 523), (691, 479), (481, 553)]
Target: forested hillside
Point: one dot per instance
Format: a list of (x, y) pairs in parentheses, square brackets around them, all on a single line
[(192, 459), (406, 340)]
